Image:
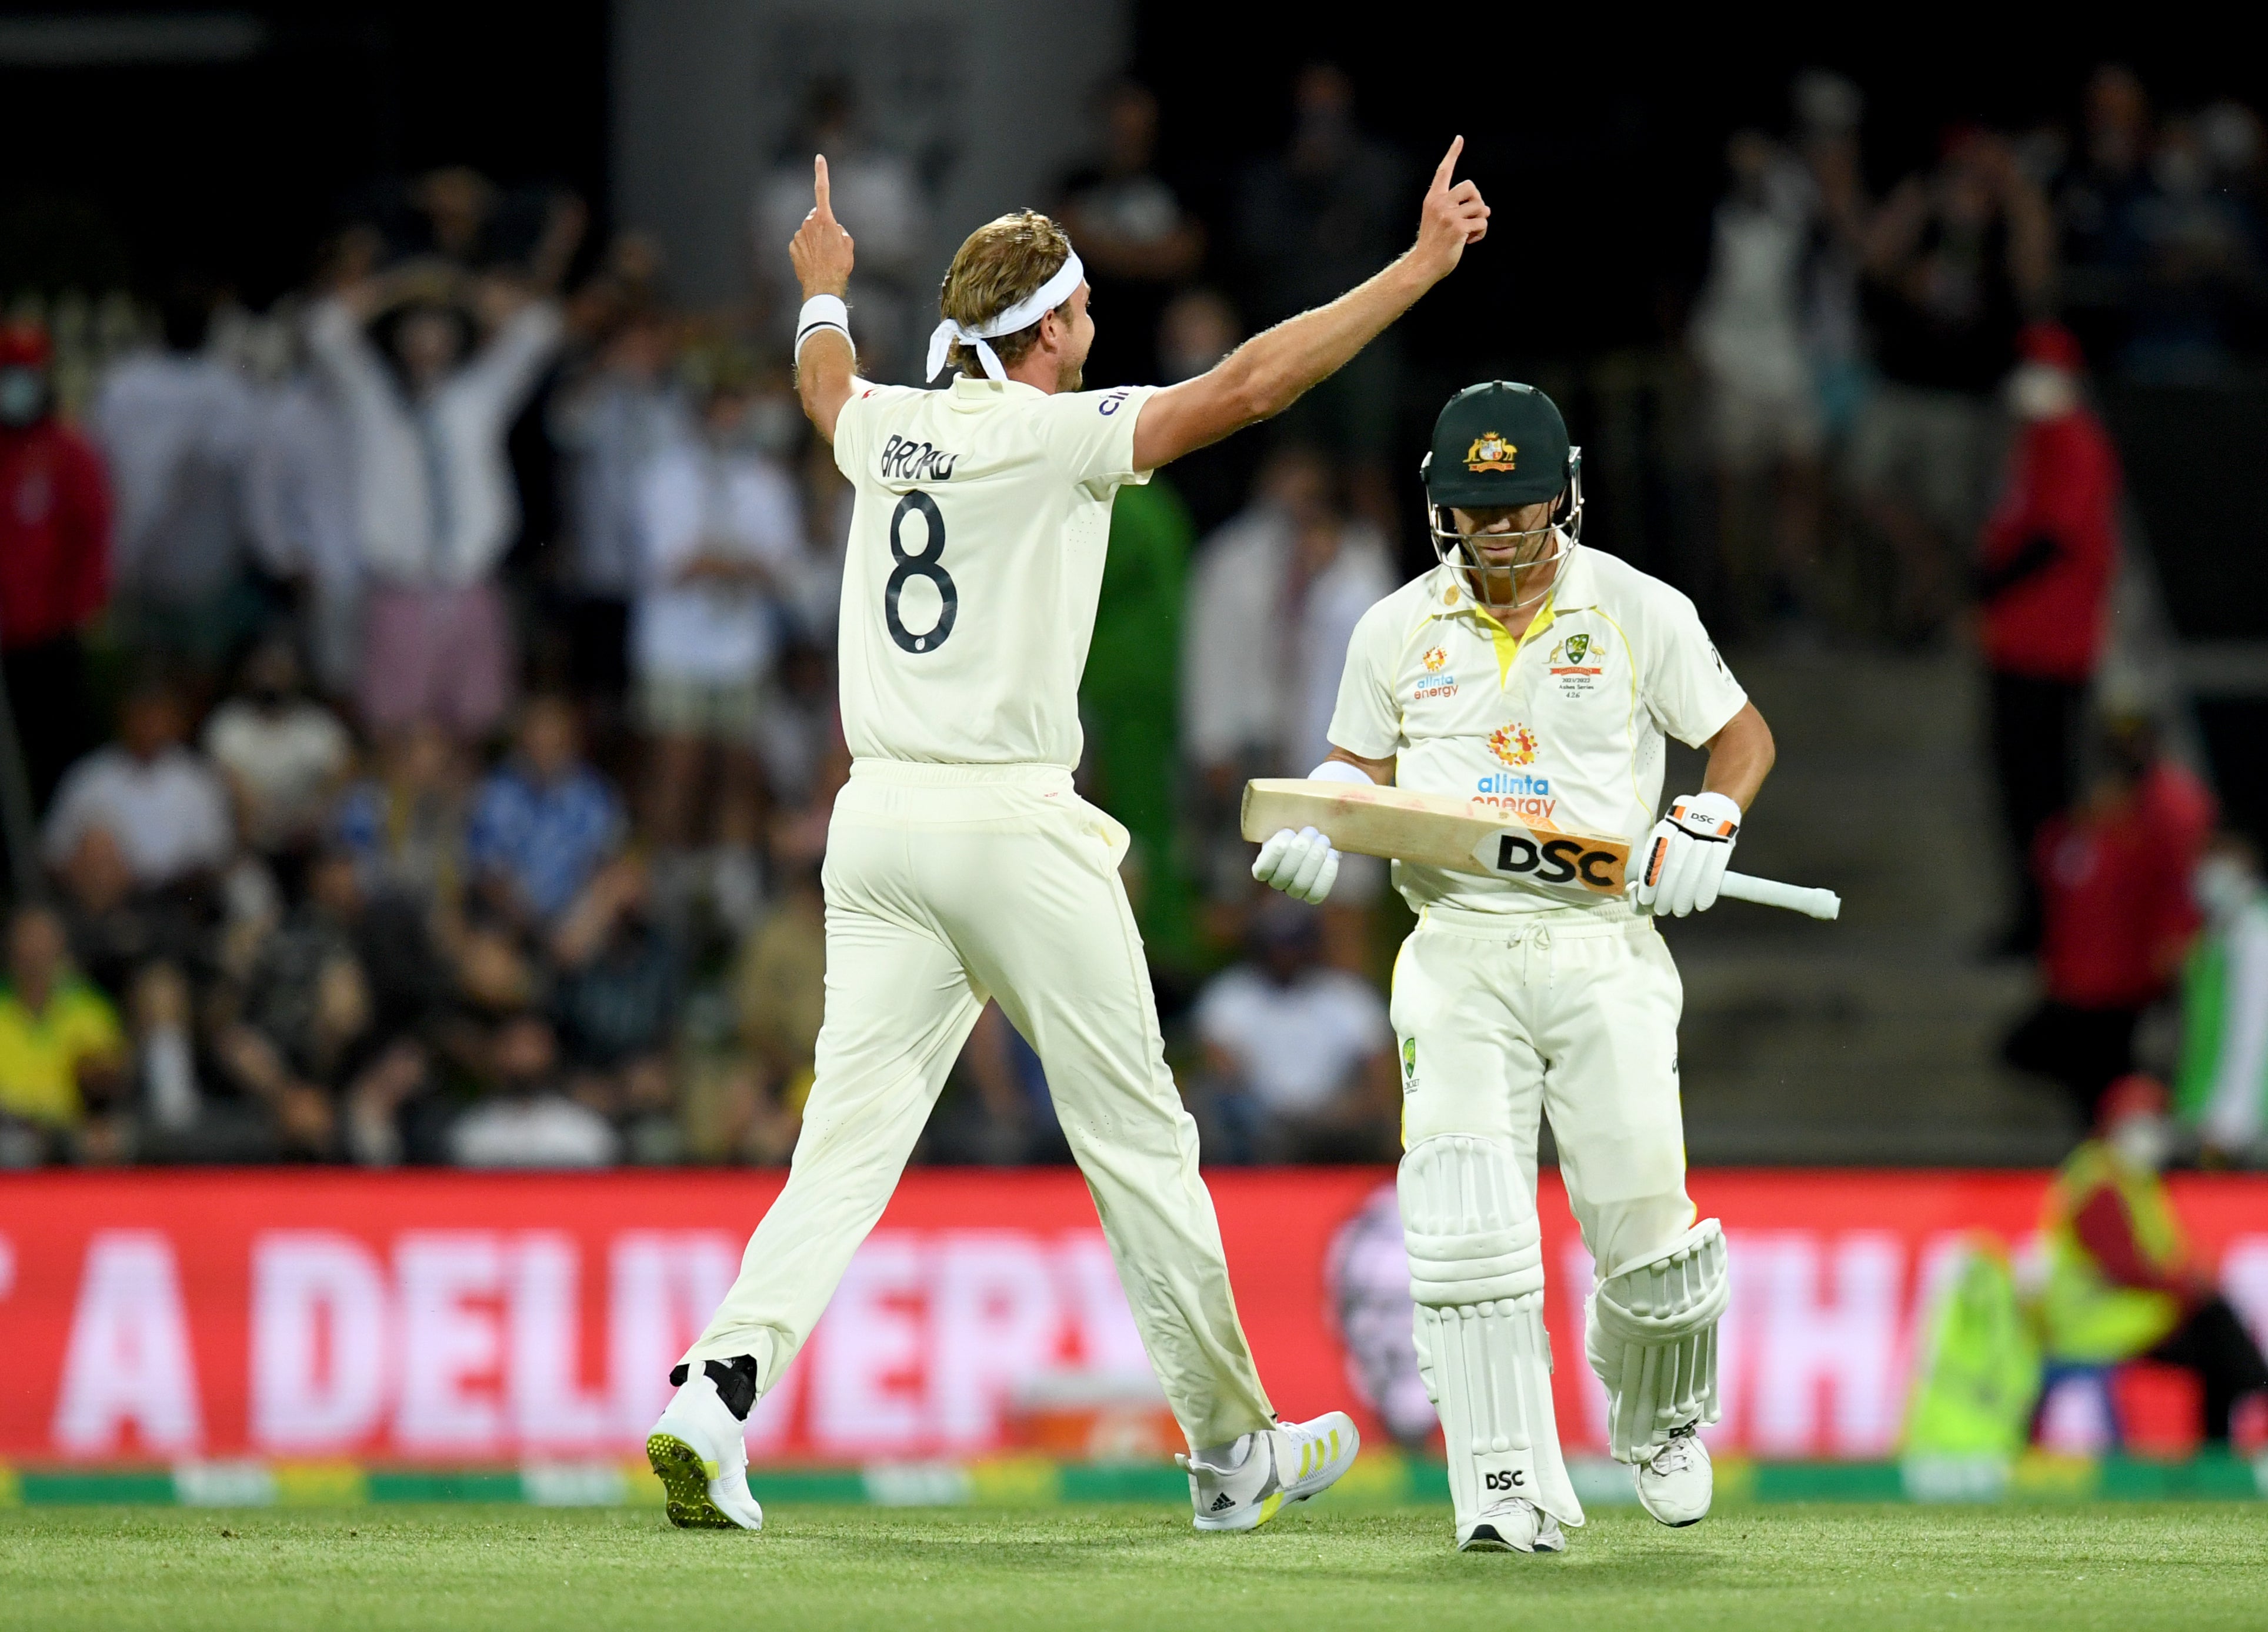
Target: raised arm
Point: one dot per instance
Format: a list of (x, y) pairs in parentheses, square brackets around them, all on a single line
[(824, 364), (1271, 371)]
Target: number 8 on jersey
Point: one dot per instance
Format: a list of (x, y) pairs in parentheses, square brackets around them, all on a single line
[(923, 565)]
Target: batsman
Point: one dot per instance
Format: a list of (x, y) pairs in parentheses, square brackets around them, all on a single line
[(1537, 679)]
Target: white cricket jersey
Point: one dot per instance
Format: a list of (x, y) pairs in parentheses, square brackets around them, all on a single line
[(977, 538), (1561, 728)]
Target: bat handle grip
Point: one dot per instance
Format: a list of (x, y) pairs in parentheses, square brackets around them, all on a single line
[(1819, 904)]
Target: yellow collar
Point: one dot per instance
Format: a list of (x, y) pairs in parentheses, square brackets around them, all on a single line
[(1508, 646)]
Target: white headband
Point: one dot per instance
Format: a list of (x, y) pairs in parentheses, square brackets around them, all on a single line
[(1023, 315)]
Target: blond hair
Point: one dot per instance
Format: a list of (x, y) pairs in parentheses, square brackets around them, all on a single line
[(1001, 263)]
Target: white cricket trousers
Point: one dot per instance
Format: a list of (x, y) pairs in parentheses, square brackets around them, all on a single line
[(1500, 1016), (946, 884)]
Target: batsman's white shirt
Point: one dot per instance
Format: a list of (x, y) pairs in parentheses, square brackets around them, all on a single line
[(976, 561), (962, 866), (1509, 1005), (1561, 727)]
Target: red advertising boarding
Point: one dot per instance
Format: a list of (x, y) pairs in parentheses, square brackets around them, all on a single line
[(452, 1319)]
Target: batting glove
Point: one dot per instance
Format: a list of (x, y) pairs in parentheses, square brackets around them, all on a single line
[(1302, 865), (1686, 855)]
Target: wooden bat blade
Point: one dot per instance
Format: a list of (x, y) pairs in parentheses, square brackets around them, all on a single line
[(1435, 830)]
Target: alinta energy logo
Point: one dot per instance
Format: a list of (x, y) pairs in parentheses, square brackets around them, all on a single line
[(1433, 682), (1518, 792)]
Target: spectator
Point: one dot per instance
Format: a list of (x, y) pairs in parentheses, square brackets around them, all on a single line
[(722, 533), (748, 1107), (610, 426), (62, 1052), (436, 507), (1748, 335), (1301, 1056), (176, 427), (284, 754), (1295, 571), (1955, 263), (2095, 201), (2116, 913), (2122, 1284), (526, 1120), (159, 801), (1135, 238), (405, 826), (544, 820), (882, 192), (1132, 722), (1829, 108), (1318, 220), (1199, 328), (300, 493), (2046, 564), (324, 1043), (620, 980), (55, 560), (2200, 267), (2220, 1087)]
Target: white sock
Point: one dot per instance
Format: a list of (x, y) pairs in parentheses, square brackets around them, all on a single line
[(1228, 1458)]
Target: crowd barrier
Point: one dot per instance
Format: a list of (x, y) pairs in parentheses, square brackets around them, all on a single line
[(439, 1318)]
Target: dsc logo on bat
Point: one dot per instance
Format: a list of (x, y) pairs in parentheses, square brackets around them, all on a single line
[(1556, 860)]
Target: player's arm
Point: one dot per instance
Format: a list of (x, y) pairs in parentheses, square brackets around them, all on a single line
[(825, 365), (1271, 371), (1741, 756), (1687, 853), (1379, 771), (1302, 862)]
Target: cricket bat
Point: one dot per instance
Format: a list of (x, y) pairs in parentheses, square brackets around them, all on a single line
[(1432, 829)]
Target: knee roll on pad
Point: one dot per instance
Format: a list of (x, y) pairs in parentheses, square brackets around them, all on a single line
[(1469, 1221), (1653, 1340), (1476, 1277)]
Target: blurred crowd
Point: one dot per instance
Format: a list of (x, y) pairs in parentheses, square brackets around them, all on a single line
[(421, 694), (1858, 337), (424, 724), (1899, 387)]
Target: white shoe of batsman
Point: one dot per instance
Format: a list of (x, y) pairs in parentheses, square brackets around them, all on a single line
[(1676, 1484), (1514, 1525), (1288, 1463), (699, 1451)]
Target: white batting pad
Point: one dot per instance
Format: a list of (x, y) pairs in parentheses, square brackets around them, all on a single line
[(1476, 1277), (1653, 1340), (1470, 1221)]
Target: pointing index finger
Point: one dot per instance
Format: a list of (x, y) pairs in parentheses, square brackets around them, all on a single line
[(819, 187), (1448, 164)]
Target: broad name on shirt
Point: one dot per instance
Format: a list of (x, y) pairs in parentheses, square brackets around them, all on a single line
[(905, 460)]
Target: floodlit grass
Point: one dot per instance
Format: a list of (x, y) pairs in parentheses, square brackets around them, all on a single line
[(1849, 1568)]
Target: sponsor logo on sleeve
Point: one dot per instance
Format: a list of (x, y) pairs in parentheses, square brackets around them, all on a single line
[(1112, 402)]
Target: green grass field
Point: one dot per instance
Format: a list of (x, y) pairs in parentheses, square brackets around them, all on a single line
[(2127, 1567)]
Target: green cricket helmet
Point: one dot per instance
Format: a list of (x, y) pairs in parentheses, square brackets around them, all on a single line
[(1499, 446)]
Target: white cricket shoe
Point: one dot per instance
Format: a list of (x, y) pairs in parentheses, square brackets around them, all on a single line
[(699, 1451), (1675, 1483), (1513, 1526), (1287, 1463)]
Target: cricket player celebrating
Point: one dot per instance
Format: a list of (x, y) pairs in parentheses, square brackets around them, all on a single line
[(1537, 679), (961, 865)]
